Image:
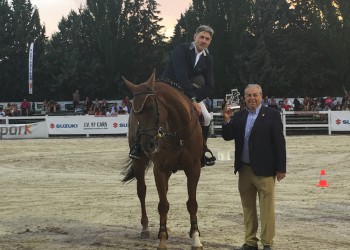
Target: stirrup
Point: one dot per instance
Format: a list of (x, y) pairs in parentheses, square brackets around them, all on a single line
[(134, 157), (209, 161)]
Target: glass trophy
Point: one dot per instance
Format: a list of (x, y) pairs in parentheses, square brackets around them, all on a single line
[(232, 99)]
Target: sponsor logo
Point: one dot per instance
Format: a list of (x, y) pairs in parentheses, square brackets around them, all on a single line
[(120, 125), (16, 130), (345, 122), (103, 125), (52, 125)]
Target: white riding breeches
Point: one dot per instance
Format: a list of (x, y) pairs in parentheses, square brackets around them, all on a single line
[(207, 116)]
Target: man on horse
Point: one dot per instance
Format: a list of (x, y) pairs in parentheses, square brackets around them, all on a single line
[(191, 67)]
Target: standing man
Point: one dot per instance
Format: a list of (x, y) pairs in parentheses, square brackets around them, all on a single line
[(191, 67), (25, 108), (260, 158)]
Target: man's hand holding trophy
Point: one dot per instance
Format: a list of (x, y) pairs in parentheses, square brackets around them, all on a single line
[(232, 100), (232, 104)]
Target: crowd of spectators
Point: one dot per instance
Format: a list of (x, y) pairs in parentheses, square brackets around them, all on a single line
[(103, 108), (88, 107), (316, 104)]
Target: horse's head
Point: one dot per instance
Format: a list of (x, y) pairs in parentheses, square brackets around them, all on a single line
[(145, 109)]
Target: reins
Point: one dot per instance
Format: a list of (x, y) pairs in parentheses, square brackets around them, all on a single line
[(161, 133), (160, 130)]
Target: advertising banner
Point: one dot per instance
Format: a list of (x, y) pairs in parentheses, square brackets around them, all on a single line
[(87, 125), (24, 131), (340, 121)]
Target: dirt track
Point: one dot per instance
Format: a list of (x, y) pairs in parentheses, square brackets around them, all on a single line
[(67, 194)]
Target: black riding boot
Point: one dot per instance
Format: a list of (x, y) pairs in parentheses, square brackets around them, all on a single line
[(208, 159), (135, 151)]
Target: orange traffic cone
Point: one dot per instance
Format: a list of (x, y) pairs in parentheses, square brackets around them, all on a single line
[(323, 181)]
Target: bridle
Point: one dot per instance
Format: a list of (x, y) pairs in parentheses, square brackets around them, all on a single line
[(161, 132)]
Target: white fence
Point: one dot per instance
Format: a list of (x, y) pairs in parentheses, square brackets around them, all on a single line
[(301, 121), (13, 127)]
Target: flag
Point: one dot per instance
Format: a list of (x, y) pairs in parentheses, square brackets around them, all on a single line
[(30, 76)]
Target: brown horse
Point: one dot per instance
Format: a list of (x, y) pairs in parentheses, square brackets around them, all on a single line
[(171, 138)]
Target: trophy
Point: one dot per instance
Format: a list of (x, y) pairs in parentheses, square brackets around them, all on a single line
[(232, 100)]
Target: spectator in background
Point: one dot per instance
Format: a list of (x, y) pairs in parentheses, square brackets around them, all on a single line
[(346, 103), (328, 103), (344, 99), (87, 105), (108, 112), (25, 108), (104, 106), (2, 113), (14, 110), (286, 106), (91, 111), (265, 101), (123, 109), (51, 106), (44, 107), (127, 102), (115, 109), (273, 103), (33, 107), (307, 103), (297, 104), (76, 99), (209, 104), (7, 109)]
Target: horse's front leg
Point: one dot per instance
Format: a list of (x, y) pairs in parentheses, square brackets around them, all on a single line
[(193, 174), (141, 193), (161, 179)]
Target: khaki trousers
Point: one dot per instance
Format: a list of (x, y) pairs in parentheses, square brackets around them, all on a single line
[(249, 186)]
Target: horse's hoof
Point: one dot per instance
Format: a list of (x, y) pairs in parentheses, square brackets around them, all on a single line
[(145, 234), (197, 248)]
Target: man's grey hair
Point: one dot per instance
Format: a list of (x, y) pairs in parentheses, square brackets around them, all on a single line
[(205, 28), (256, 86)]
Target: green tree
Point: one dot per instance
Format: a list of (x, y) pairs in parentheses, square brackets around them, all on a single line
[(21, 28)]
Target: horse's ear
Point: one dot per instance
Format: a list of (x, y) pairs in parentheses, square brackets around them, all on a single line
[(152, 79), (128, 84)]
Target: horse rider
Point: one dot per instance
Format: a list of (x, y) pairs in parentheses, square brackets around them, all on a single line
[(191, 67)]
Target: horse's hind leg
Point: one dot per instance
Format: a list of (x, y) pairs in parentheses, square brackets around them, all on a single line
[(192, 206), (141, 193)]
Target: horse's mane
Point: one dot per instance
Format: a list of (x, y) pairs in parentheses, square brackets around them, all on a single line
[(170, 82)]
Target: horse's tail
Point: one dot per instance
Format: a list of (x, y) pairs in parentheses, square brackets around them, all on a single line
[(129, 169)]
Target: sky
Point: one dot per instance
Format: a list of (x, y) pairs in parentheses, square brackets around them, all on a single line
[(51, 12)]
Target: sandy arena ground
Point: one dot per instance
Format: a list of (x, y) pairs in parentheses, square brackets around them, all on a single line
[(67, 194)]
